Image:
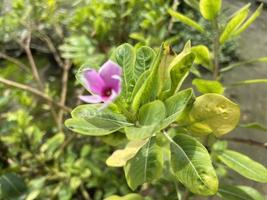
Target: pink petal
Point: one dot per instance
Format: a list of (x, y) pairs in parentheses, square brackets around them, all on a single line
[(91, 98), (95, 84), (110, 73)]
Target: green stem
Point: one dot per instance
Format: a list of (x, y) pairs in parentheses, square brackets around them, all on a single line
[(216, 49), (177, 191)]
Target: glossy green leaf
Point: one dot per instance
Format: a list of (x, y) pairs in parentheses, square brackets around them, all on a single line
[(147, 165), (144, 59), (102, 118), (244, 165), (210, 8), (80, 125), (120, 157), (191, 164), (250, 20), (235, 22), (231, 192), (11, 186), (203, 57), (140, 133), (152, 113), (212, 113), (125, 56), (179, 69), (208, 86), (126, 197), (176, 105), (186, 20), (151, 86)]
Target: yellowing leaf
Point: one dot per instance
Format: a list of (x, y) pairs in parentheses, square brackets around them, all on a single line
[(212, 113), (210, 8), (120, 157)]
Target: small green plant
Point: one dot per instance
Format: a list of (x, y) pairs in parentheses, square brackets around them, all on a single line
[(164, 127)]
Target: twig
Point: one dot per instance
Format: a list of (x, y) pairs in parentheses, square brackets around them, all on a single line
[(248, 141), (33, 91), (27, 49), (52, 48), (15, 61), (64, 90)]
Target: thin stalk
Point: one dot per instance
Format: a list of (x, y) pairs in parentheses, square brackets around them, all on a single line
[(216, 49), (35, 92), (177, 191)]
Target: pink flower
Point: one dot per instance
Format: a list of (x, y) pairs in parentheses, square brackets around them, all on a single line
[(104, 85)]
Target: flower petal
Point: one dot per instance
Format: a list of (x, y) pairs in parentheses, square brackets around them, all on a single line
[(95, 84), (91, 98), (109, 73)]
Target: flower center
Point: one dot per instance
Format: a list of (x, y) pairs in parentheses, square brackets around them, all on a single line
[(107, 92)]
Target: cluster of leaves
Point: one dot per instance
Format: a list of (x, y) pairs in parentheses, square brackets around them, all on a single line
[(161, 124)]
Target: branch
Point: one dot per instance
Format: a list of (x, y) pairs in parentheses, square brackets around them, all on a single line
[(64, 90), (248, 141), (34, 91), (15, 61), (31, 60)]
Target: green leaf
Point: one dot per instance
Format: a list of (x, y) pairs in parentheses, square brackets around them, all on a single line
[(247, 82), (125, 56), (254, 125), (127, 197), (212, 113), (120, 157), (176, 105), (52, 145), (244, 165), (140, 133), (186, 20), (239, 64), (144, 59), (230, 192), (11, 186), (191, 164), (152, 113), (146, 166), (207, 86), (179, 69), (80, 125), (235, 22), (250, 20), (203, 57), (101, 118), (210, 8), (151, 87)]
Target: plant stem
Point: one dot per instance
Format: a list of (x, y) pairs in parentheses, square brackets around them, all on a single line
[(177, 191), (64, 90), (216, 49), (33, 91), (15, 61)]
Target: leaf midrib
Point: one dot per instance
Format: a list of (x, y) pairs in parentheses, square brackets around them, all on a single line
[(181, 149)]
